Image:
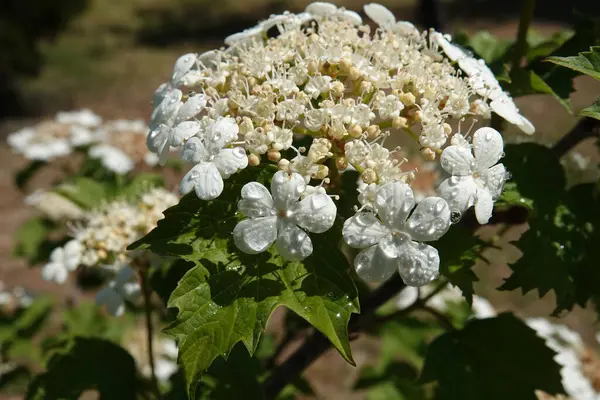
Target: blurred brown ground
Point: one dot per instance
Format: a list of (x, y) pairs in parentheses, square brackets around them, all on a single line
[(101, 63)]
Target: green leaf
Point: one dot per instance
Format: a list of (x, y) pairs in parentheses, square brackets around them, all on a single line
[(525, 82), (88, 320), (542, 46), (494, 359), (31, 240), (83, 364), (512, 197), (487, 46), (140, 184), (587, 62), (592, 111), (228, 296), (459, 250), (86, 192), (397, 382)]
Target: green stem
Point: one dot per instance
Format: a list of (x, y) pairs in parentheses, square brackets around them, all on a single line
[(521, 44), (147, 293)]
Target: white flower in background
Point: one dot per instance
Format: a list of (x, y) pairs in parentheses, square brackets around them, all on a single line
[(122, 145), (214, 162), (39, 145), (476, 180), (85, 117), (54, 206), (165, 353), (124, 287), (62, 261), (393, 243), (484, 83), (570, 348), (279, 217), (13, 299), (112, 158)]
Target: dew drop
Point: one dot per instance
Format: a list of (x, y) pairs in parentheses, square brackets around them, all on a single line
[(194, 174)]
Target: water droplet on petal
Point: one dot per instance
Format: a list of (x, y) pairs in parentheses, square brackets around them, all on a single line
[(455, 216)]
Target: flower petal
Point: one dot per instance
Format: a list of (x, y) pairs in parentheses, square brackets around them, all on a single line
[(183, 65), (194, 151), (293, 243), (256, 201), (526, 126), (452, 51), (430, 220), (372, 265), (206, 179), (321, 9), (286, 189), (393, 203), (230, 161), (380, 14), (192, 107), (505, 107), (220, 133), (419, 264), (72, 254), (183, 132), (484, 204), (253, 236), (315, 213), (494, 179), (488, 146), (459, 192), (363, 230), (458, 160), (112, 300), (157, 138), (55, 272)]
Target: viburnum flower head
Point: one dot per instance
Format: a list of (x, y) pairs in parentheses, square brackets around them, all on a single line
[(278, 218), (392, 242), (476, 179)]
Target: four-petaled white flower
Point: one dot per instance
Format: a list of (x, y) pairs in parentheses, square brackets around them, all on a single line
[(62, 260), (392, 241), (279, 217), (475, 180), (123, 287), (214, 161)]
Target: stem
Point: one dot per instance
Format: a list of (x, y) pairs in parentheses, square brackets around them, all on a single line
[(147, 293), (521, 44), (444, 321), (316, 344)]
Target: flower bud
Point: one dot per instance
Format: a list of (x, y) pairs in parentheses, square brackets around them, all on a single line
[(253, 160), (283, 164), (447, 129), (408, 99), (399, 123), (369, 176), (274, 155), (322, 172), (337, 88), (428, 154), (373, 132), (355, 131)]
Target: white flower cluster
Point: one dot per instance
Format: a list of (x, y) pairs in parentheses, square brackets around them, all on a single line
[(13, 299), (100, 239), (324, 75), (56, 138), (119, 144)]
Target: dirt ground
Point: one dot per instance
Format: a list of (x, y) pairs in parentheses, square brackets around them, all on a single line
[(127, 80)]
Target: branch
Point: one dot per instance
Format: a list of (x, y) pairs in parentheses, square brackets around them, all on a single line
[(585, 128), (147, 294), (316, 344), (521, 46)]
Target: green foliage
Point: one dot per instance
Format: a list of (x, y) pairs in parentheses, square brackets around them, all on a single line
[(560, 248), (592, 111), (496, 358), (25, 323), (587, 62), (459, 249), (228, 296), (82, 364), (32, 242), (86, 192)]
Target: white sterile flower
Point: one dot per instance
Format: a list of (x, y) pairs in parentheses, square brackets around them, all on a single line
[(63, 260), (214, 161), (386, 20), (476, 180), (112, 158), (53, 205), (484, 83), (124, 287), (279, 217), (392, 242)]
